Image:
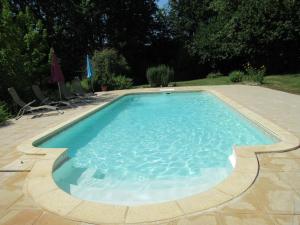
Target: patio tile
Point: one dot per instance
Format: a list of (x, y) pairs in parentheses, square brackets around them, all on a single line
[(8, 198), (23, 217), (279, 202), (286, 219), (292, 178), (270, 181), (245, 219), (51, 219), (24, 202), (203, 201), (246, 203), (150, 213), (204, 219), (280, 164), (15, 180), (58, 201), (23, 163), (289, 154), (92, 212)]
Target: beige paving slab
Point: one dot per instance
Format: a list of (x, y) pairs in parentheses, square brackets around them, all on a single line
[(246, 203), (51, 219), (25, 202), (155, 212), (204, 219), (58, 202), (8, 198), (99, 213), (280, 164), (286, 219), (203, 201), (245, 219), (237, 183), (22, 217), (20, 164)]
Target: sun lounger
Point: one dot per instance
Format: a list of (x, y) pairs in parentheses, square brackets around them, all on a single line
[(78, 90), (44, 100), (27, 108), (71, 97)]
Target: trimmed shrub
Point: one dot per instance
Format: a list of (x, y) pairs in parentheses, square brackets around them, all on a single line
[(121, 82), (160, 75), (107, 63), (236, 76), (4, 114), (254, 75), (214, 75)]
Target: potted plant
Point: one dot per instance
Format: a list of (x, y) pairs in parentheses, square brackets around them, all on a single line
[(107, 63)]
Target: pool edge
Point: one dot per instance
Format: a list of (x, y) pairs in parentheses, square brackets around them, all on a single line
[(42, 188)]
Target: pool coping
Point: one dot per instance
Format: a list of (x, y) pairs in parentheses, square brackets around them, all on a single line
[(42, 188)]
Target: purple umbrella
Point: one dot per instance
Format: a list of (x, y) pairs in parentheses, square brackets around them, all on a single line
[(56, 73)]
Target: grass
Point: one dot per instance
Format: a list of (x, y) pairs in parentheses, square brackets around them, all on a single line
[(287, 82), (205, 81)]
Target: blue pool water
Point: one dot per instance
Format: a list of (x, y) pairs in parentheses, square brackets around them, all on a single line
[(148, 148)]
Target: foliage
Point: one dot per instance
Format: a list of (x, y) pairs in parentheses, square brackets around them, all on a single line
[(85, 84), (121, 82), (77, 28), (153, 77), (160, 75), (255, 75), (214, 75), (108, 63), (226, 34), (236, 76), (23, 51), (4, 114)]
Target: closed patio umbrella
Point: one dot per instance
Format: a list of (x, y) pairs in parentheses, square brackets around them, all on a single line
[(89, 70), (56, 72)]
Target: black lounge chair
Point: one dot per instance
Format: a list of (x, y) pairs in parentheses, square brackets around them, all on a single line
[(27, 108), (44, 100)]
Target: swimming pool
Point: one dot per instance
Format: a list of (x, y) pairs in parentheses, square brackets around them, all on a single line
[(148, 148)]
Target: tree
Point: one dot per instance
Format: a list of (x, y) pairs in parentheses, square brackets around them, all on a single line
[(23, 50), (78, 27), (224, 34)]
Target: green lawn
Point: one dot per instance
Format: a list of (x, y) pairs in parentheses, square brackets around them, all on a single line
[(205, 81), (288, 83)]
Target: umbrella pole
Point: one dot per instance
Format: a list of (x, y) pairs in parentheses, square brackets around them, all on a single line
[(59, 90), (92, 84)]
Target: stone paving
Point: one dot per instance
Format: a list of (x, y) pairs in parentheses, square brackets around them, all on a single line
[(273, 199)]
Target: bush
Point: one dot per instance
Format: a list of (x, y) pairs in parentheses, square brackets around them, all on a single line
[(236, 76), (214, 75), (121, 82), (107, 63), (160, 75), (4, 114), (85, 84), (254, 75)]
